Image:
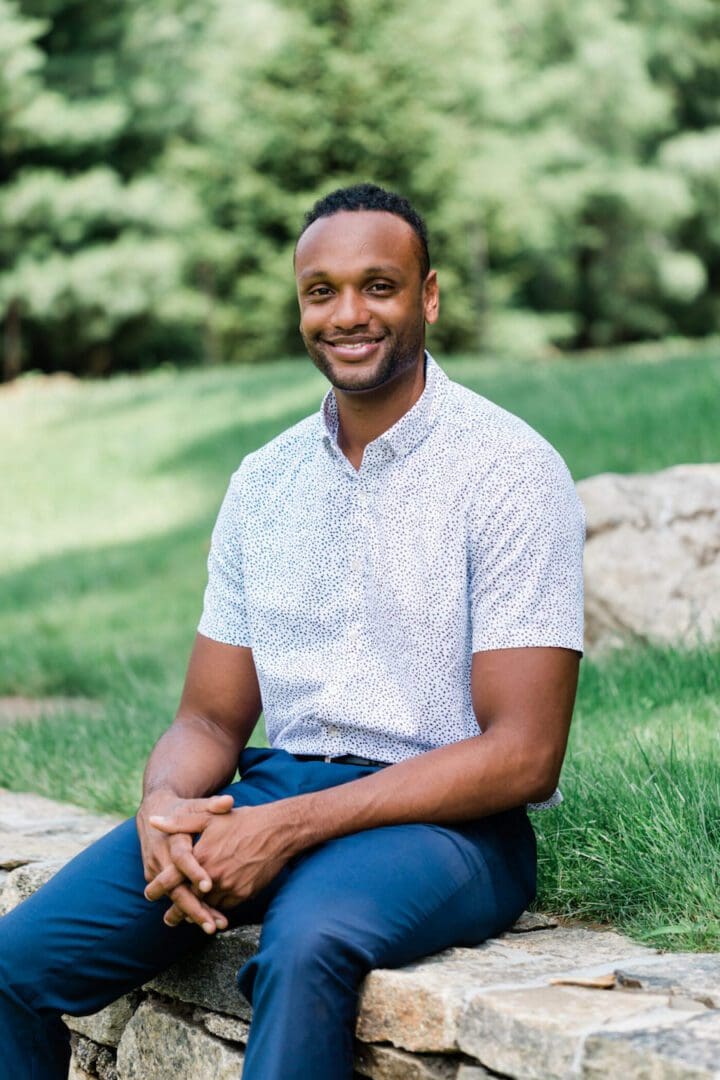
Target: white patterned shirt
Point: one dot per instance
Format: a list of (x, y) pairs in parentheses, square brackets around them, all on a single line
[(363, 594)]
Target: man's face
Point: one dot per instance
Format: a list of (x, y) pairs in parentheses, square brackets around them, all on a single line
[(363, 304)]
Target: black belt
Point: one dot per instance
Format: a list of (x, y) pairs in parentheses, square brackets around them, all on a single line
[(344, 759)]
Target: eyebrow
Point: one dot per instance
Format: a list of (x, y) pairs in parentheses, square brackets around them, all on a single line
[(388, 270)]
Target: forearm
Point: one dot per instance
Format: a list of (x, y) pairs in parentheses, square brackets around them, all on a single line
[(192, 759), (464, 781)]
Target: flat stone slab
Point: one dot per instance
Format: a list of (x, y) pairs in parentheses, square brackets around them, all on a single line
[(419, 1007), (686, 975), (35, 829), (539, 1033), (689, 1051), (577, 946)]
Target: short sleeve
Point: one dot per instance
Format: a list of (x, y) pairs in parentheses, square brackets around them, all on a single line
[(224, 617), (527, 532)]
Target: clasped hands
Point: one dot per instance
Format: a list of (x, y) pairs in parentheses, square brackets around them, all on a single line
[(206, 855)]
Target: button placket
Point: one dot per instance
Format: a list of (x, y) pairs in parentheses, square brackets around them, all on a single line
[(357, 563)]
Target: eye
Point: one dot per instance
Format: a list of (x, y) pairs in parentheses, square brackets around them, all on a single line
[(319, 292), (380, 287)]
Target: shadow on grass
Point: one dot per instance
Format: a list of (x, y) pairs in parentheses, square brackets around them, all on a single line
[(88, 622), (221, 451)]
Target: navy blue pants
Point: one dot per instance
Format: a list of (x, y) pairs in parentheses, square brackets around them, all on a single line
[(379, 898)]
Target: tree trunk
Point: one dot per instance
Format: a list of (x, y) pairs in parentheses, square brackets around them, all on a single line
[(12, 342)]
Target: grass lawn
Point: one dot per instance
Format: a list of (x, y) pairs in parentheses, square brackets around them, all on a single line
[(108, 497)]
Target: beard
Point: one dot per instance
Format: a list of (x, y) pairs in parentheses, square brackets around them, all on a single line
[(397, 354)]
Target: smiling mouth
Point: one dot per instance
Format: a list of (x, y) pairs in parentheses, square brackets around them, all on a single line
[(353, 350)]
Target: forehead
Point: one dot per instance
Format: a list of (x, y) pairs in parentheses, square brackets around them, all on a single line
[(351, 240)]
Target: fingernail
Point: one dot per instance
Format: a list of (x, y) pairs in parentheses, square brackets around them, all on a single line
[(205, 885), (157, 817), (208, 927)]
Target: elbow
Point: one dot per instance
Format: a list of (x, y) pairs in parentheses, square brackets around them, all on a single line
[(541, 779)]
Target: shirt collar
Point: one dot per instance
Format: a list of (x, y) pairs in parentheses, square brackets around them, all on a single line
[(411, 428)]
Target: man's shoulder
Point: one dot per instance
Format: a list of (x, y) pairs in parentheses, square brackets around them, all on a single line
[(287, 447), (487, 431)]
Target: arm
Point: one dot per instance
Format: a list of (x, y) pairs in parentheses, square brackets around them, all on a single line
[(523, 699), (198, 754)]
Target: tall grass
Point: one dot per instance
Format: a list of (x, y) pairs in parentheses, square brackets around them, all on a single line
[(637, 841)]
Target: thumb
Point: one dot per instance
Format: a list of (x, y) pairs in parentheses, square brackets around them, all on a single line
[(219, 804)]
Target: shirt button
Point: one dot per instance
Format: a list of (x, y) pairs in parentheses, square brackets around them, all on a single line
[(363, 499), (356, 565), (354, 632), (333, 731)]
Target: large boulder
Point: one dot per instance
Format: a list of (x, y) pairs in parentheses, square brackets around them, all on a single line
[(652, 559)]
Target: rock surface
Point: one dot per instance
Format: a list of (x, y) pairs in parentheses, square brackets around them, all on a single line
[(208, 977), (23, 882), (160, 1044), (652, 558), (690, 1051), (35, 829), (539, 1033), (693, 976), (106, 1027), (419, 1007), (387, 1063)]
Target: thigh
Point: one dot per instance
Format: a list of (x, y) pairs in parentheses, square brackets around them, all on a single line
[(397, 893), (89, 934)]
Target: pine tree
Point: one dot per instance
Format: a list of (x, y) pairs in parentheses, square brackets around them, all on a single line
[(92, 249)]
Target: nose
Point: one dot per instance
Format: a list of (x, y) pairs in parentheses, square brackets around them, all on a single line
[(350, 309)]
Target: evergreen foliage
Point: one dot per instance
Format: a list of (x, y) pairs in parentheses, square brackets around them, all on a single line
[(93, 231), (156, 162)]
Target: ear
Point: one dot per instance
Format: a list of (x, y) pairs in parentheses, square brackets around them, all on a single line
[(431, 297)]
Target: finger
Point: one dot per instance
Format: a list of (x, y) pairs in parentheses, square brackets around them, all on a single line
[(187, 905), (194, 814), (184, 860), (163, 883), (183, 822), (216, 804)]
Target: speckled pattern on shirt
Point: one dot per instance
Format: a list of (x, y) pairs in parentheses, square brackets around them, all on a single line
[(364, 594)]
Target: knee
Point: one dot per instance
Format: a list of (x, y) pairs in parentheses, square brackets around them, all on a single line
[(18, 984), (305, 956), (312, 941)]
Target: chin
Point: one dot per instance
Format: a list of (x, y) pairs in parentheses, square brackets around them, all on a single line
[(353, 378), (357, 381)]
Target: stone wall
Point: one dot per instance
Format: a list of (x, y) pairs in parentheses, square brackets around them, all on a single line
[(542, 1001)]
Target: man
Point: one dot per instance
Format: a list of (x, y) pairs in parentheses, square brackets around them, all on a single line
[(397, 583)]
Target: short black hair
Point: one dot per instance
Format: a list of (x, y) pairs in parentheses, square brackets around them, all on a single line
[(371, 197)]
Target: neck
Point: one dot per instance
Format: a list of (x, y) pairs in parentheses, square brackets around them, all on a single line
[(363, 417)]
